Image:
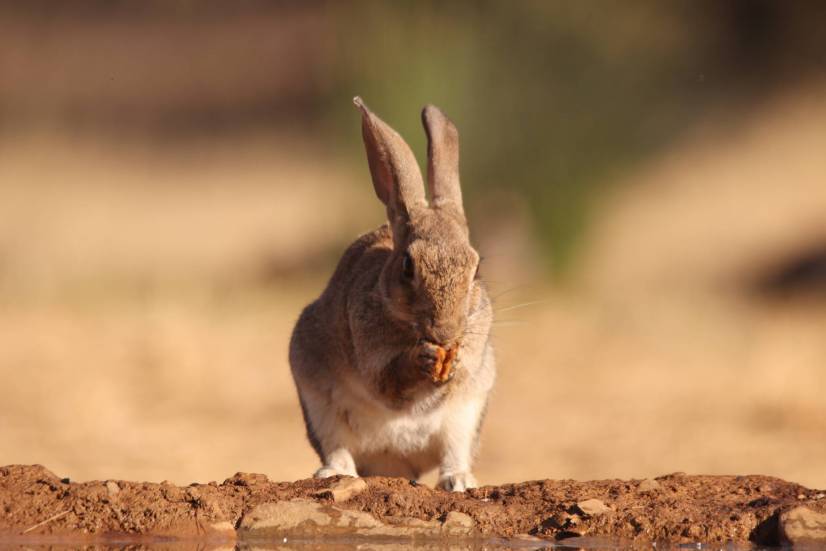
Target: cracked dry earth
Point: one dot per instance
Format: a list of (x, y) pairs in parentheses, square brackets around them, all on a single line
[(38, 506)]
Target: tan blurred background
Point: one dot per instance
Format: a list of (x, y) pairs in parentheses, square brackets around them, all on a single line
[(647, 183)]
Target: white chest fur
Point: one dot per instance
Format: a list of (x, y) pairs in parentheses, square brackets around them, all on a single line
[(390, 442)]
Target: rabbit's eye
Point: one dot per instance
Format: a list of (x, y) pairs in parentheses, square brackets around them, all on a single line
[(408, 269)]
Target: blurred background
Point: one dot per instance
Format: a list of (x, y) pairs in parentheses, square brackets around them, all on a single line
[(646, 181)]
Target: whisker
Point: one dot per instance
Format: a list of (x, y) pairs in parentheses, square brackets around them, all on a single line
[(495, 298), (506, 323), (526, 290), (509, 290), (522, 305)]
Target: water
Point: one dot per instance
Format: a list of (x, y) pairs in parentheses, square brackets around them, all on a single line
[(369, 544)]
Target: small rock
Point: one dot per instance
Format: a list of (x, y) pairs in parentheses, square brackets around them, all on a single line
[(458, 524), (224, 528), (344, 489), (405, 527), (593, 507), (212, 507), (112, 487), (172, 493), (285, 516), (648, 485), (802, 525), (801, 496), (307, 518), (246, 479), (527, 538)]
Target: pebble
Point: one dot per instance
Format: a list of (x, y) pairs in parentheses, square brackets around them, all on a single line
[(112, 488), (529, 539), (344, 489), (224, 528), (457, 523), (648, 485), (801, 525), (308, 518), (285, 516), (593, 507), (247, 479)]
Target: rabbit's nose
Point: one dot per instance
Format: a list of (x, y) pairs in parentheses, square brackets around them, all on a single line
[(443, 334)]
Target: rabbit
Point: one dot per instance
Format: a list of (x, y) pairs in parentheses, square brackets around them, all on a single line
[(402, 298)]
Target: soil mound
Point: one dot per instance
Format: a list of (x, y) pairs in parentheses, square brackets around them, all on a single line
[(37, 505)]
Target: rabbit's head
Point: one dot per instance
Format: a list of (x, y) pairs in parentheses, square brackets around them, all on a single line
[(429, 281)]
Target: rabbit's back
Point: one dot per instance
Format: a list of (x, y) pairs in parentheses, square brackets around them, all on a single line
[(361, 264), (321, 340)]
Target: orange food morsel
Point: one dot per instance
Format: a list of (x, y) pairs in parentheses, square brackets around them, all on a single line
[(436, 374), (444, 363)]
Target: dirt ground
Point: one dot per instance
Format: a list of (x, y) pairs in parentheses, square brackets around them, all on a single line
[(673, 508)]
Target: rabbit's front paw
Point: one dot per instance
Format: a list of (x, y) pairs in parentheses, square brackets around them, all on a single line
[(457, 482), (426, 356), (327, 472)]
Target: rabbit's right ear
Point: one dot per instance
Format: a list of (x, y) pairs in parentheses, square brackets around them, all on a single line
[(442, 159), (396, 175)]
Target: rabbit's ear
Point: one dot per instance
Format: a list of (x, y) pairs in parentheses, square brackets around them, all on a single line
[(442, 159), (396, 176)]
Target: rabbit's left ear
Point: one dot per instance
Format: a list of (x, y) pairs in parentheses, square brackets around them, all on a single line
[(396, 176), (442, 159)]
